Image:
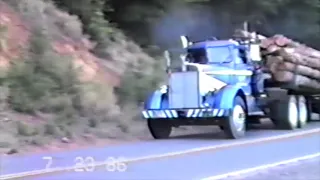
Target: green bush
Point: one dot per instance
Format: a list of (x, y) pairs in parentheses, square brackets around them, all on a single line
[(46, 82), (96, 26), (39, 13), (38, 81)]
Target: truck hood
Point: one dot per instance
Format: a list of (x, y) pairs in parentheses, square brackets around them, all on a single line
[(208, 83), (209, 69)]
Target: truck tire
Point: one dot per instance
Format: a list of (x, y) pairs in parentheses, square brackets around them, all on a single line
[(235, 124), (284, 114), (302, 111), (159, 129)]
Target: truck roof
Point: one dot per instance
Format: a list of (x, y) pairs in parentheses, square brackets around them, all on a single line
[(215, 43)]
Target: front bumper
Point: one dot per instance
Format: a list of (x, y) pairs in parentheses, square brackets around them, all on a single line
[(184, 113)]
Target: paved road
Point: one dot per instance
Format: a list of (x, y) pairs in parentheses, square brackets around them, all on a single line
[(190, 166), (303, 170), (11, 165), (204, 164)]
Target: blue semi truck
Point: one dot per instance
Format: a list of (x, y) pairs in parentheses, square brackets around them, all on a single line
[(220, 82)]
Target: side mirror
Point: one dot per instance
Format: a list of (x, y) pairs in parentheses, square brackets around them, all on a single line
[(184, 41), (254, 52)]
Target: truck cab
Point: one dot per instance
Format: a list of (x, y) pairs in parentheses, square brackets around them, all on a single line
[(225, 60), (212, 88)]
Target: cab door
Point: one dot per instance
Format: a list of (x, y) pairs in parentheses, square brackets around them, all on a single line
[(243, 71)]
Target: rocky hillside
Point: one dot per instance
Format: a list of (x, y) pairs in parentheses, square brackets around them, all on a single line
[(53, 88)]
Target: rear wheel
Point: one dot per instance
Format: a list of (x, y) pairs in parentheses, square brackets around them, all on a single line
[(235, 125), (303, 111), (284, 114), (159, 129)]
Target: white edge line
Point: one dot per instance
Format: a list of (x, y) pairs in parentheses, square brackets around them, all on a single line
[(193, 150), (262, 167)]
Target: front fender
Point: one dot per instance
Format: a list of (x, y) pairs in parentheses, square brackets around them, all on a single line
[(156, 100), (223, 99)]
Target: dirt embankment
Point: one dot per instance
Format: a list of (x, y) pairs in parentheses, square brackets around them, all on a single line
[(15, 35)]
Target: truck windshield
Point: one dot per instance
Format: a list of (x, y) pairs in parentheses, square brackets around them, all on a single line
[(218, 54), (198, 55)]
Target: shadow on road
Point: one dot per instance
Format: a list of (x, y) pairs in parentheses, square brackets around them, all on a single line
[(266, 128), (214, 132)]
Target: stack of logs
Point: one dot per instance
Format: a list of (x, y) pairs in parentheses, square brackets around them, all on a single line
[(290, 62)]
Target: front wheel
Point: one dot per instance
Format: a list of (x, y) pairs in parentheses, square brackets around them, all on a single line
[(159, 129), (235, 125)]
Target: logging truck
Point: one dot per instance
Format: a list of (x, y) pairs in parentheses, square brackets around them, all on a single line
[(222, 83)]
